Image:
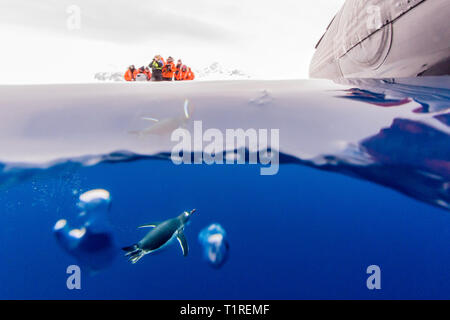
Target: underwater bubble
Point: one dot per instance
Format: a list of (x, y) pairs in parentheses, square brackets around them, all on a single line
[(60, 224), (77, 233), (64, 235), (91, 242), (215, 245), (94, 199), (95, 205)]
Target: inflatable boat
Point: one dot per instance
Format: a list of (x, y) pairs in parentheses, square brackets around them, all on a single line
[(385, 39)]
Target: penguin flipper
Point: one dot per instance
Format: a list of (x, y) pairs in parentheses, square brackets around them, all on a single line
[(183, 243), (149, 225)]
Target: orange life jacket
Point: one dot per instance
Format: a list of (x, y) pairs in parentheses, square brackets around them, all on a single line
[(144, 72), (130, 76), (168, 70), (177, 71), (149, 74), (190, 75), (182, 75)]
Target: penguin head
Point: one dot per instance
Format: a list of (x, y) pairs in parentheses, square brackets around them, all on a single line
[(185, 216)]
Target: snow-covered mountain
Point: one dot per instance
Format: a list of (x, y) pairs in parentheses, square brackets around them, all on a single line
[(109, 76), (215, 71)]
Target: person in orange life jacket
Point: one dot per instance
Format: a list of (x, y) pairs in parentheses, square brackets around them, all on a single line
[(178, 69), (148, 73), (156, 65), (168, 70), (182, 73), (141, 75), (186, 73), (190, 75), (130, 74)]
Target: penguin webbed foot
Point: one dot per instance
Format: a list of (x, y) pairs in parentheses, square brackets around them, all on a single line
[(134, 253)]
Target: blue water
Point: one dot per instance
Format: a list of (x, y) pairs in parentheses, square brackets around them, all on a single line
[(308, 232)]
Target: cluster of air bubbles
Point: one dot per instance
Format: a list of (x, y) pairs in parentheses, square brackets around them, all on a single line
[(213, 240), (91, 242)]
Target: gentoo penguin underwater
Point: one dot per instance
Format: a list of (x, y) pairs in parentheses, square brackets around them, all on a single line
[(161, 235)]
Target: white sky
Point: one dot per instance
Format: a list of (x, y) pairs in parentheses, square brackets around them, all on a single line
[(266, 39)]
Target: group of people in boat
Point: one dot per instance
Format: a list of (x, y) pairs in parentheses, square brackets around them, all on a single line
[(160, 70)]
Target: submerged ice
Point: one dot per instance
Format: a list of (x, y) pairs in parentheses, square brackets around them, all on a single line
[(91, 242), (214, 244)]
